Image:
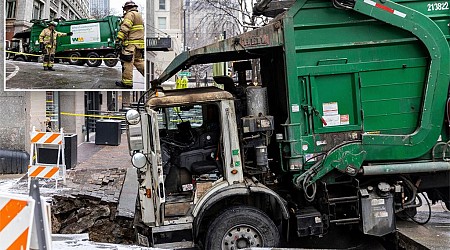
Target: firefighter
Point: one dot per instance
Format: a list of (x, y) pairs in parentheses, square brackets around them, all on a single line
[(47, 40), (131, 38)]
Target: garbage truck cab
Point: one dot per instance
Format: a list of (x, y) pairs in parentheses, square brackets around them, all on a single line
[(187, 150), (349, 124)]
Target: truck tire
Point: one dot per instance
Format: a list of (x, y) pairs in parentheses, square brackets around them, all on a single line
[(19, 59), (93, 63), (75, 61), (110, 63), (242, 227)]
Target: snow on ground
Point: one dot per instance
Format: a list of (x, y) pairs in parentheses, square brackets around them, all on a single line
[(81, 242), (18, 184)]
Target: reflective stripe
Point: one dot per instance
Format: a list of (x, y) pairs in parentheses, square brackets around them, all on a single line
[(137, 42), (47, 171), (128, 21), (127, 82), (16, 218), (137, 27), (120, 35)]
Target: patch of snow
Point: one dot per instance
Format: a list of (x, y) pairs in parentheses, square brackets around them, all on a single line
[(81, 242)]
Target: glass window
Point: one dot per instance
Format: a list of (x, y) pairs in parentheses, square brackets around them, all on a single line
[(173, 116), (38, 8), (162, 23), (52, 111), (162, 4), (52, 15), (11, 9)]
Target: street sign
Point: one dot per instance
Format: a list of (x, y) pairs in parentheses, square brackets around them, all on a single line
[(185, 73)]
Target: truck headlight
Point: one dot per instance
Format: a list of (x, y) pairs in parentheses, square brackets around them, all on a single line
[(133, 117), (139, 160)]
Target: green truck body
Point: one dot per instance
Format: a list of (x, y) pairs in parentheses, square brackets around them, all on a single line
[(357, 120), (92, 38), (379, 72)]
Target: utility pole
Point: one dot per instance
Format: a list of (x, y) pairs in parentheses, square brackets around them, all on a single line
[(184, 29), (224, 63)]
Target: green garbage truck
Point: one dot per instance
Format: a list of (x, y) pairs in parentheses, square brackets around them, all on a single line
[(348, 128), (92, 38)]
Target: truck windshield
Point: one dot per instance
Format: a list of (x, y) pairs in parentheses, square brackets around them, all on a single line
[(169, 118)]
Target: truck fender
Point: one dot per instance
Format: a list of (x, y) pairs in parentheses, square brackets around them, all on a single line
[(222, 192)]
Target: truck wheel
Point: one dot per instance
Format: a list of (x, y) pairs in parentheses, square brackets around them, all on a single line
[(19, 58), (93, 63), (242, 227), (110, 63), (75, 61)]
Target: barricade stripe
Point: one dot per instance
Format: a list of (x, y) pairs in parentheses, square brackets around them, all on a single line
[(51, 172), (20, 242), (37, 171), (37, 137), (52, 138), (10, 211)]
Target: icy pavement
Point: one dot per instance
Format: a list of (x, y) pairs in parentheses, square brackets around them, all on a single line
[(18, 184), (81, 242), (66, 77)]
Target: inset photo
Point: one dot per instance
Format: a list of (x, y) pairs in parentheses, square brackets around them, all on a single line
[(74, 45)]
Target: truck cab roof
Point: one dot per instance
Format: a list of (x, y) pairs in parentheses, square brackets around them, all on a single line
[(181, 97), (249, 45)]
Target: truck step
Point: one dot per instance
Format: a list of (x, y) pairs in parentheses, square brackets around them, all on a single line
[(170, 228), (176, 245)]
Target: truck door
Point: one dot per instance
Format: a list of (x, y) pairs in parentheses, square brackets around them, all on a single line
[(152, 191)]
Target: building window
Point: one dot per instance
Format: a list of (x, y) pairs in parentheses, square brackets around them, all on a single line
[(38, 8), (162, 23), (10, 8), (162, 4), (52, 14), (63, 8), (52, 111)]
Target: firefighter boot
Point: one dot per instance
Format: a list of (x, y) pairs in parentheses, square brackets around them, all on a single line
[(51, 69), (120, 84)]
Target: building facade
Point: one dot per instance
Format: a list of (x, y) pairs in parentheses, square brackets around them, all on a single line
[(167, 23), (19, 13), (99, 8)]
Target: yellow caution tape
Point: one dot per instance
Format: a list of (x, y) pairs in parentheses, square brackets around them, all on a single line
[(94, 116), (67, 57)]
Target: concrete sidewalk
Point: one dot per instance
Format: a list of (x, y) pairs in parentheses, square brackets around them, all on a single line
[(99, 167)]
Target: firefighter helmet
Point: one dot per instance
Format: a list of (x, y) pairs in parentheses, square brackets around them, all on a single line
[(129, 4), (52, 23)]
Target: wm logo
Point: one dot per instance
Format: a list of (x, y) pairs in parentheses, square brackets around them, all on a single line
[(78, 39)]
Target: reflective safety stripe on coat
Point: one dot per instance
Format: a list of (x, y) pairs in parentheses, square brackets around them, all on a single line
[(132, 29), (48, 37)]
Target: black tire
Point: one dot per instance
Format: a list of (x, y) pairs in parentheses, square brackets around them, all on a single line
[(75, 61), (110, 63), (93, 63), (242, 227), (19, 59)]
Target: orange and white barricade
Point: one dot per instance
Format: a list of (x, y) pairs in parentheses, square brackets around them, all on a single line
[(16, 221), (56, 171)]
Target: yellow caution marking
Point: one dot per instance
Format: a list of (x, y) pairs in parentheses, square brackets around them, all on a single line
[(65, 57)]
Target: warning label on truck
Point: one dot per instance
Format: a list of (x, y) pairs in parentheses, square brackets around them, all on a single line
[(330, 108), (85, 33)]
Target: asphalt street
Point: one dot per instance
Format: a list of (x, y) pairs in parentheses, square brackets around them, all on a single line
[(31, 75)]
